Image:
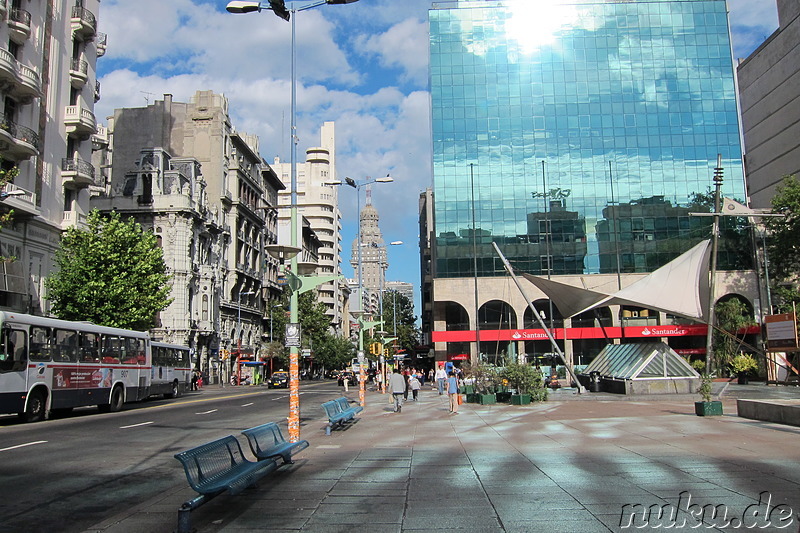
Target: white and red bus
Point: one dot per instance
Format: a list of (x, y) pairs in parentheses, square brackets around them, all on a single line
[(51, 365), (171, 370)]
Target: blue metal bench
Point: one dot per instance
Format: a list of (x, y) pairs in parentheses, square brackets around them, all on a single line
[(267, 442), (214, 468), (345, 405), (336, 415)]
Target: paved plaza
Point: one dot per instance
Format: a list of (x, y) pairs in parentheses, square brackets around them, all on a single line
[(571, 464)]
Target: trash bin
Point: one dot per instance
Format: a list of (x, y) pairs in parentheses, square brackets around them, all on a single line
[(594, 381)]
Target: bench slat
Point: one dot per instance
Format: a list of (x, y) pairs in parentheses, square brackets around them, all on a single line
[(266, 442)]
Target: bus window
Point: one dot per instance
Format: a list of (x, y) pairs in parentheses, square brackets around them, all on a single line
[(90, 347), (41, 348), (12, 344), (66, 346), (141, 358), (111, 349)]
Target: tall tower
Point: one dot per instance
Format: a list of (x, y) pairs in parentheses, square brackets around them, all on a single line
[(318, 202), (373, 256)]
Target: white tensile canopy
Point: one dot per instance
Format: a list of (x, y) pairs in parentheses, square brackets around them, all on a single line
[(674, 288)]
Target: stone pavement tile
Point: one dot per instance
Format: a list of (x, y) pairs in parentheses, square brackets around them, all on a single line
[(384, 453), (399, 499), (385, 475), (368, 489), (440, 471), (557, 524), (452, 521), (400, 462), (533, 498), (525, 483), (428, 507), (321, 527), (270, 493), (358, 515), (512, 505)]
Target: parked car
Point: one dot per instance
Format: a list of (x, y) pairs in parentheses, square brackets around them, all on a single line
[(351, 378), (278, 380)]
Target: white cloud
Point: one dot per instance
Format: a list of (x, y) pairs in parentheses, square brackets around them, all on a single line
[(404, 46)]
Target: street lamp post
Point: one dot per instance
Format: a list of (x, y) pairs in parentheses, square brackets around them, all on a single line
[(279, 8), (239, 331)]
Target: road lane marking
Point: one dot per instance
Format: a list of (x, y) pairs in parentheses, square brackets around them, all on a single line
[(22, 445), (207, 412), (135, 425), (247, 404)]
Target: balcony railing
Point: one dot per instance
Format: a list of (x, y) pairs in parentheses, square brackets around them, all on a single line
[(84, 23), (101, 41), (77, 171), (79, 120), (19, 24), (31, 83), (78, 73)]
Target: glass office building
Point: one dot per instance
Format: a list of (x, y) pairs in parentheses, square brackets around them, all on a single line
[(579, 134)]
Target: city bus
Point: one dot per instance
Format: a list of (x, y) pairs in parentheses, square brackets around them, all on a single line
[(171, 371), (51, 365)]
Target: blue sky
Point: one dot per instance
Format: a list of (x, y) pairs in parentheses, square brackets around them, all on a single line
[(362, 65)]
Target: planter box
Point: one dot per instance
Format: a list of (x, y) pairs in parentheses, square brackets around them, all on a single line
[(468, 389), (472, 397), (503, 397), (486, 399), (713, 408), (520, 399)]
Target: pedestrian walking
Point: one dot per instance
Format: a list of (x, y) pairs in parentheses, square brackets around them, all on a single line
[(397, 386), (406, 373), (441, 377), (414, 384), (452, 392)]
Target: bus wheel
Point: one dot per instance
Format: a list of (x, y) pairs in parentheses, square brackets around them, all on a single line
[(35, 411), (116, 400), (174, 392)]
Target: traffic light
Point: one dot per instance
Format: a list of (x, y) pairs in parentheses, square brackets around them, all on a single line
[(386, 352), (279, 8)]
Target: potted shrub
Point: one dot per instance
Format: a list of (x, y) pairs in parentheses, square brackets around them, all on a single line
[(742, 365), (707, 407), (485, 379), (526, 381)]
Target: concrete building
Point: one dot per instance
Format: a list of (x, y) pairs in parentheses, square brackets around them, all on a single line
[(577, 138), (318, 204), (215, 216), (768, 87), (49, 87), (372, 256)]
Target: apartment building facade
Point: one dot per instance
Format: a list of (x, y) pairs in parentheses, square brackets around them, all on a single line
[(48, 81)]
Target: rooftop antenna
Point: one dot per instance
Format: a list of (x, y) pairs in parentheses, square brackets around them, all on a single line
[(147, 96)]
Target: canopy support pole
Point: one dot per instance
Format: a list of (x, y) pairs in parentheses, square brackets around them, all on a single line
[(507, 265)]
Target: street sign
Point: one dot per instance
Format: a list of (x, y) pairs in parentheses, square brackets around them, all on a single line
[(781, 332), (292, 335)]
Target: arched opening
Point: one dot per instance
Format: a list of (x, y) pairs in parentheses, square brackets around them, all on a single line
[(497, 315)]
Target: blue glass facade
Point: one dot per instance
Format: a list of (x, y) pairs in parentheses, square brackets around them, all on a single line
[(578, 134)]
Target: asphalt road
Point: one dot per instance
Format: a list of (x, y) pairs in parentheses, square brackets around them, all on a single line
[(68, 473)]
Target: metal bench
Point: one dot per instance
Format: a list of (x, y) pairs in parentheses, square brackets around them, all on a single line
[(267, 442), (214, 468), (345, 405), (337, 416)]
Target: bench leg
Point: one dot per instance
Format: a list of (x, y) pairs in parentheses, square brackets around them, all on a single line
[(184, 520), (328, 429)]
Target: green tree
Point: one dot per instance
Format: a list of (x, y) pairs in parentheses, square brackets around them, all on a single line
[(783, 243), (7, 176), (732, 316), (111, 272), (403, 322)]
